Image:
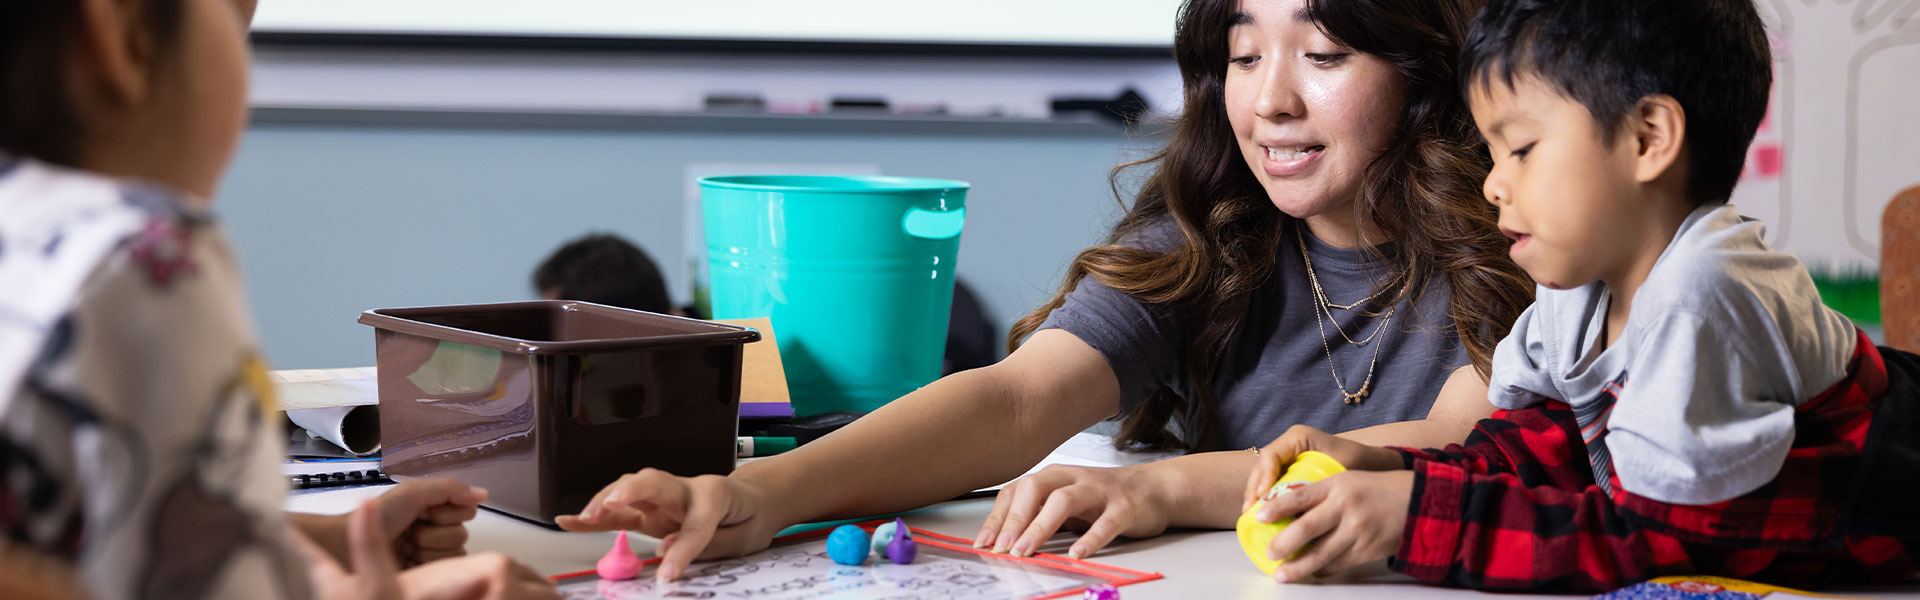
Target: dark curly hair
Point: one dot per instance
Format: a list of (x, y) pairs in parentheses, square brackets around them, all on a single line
[(1423, 193)]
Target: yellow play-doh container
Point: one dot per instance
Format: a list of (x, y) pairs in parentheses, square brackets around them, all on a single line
[(1255, 535)]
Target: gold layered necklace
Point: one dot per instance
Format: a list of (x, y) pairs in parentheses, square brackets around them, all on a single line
[(1322, 305)]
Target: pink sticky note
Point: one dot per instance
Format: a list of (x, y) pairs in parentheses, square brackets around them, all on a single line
[(1767, 158)]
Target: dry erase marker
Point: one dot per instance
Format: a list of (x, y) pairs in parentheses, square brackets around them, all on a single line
[(746, 447)]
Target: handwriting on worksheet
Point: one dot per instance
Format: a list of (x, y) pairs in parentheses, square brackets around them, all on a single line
[(801, 570)]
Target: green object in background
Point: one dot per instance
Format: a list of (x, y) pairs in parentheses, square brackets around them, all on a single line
[(856, 273), (1854, 291)]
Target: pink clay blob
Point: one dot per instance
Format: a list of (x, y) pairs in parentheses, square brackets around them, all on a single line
[(619, 563)]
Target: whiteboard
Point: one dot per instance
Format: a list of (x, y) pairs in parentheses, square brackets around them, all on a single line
[(1118, 23)]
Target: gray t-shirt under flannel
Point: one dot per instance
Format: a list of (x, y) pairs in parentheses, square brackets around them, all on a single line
[(1275, 372), (1694, 403)]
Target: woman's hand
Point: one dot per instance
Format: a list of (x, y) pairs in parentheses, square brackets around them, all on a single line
[(694, 517), (1103, 502), (1350, 519), (1277, 456)]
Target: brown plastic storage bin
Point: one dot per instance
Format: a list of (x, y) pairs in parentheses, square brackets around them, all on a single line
[(544, 403)]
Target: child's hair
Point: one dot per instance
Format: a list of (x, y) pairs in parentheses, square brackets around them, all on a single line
[(604, 269), (37, 115), (1709, 55)]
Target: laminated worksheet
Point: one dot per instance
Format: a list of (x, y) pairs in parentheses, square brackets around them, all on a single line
[(797, 567)]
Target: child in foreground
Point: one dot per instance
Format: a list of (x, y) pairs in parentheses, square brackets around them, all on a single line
[(1677, 400), (139, 456)]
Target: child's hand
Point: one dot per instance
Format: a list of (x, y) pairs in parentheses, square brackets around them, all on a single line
[(488, 575), (429, 516), (1351, 518), (376, 576), (1275, 458), (426, 519), (26, 574)]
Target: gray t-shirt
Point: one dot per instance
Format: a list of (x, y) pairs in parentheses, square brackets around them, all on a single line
[(1694, 403), (1275, 372)]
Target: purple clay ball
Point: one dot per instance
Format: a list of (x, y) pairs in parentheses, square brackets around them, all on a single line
[(902, 550), (1101, 592)]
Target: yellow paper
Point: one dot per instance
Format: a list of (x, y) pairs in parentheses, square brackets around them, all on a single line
[(762, 378)]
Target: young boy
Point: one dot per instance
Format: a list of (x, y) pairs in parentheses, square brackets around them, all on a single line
[(137, 454), (604, 269), (1677, 400)]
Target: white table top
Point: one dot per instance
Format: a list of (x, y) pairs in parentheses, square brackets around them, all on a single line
[(1196, 564)]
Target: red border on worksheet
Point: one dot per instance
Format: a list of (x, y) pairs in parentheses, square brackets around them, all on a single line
[(1114, 576)]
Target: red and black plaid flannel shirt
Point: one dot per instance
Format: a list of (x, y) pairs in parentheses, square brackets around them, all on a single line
[(1516, 507)]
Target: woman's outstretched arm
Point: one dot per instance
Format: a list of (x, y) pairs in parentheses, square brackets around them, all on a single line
[(966, 431)]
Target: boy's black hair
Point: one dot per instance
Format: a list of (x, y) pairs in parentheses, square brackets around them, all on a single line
[(1710, 55), (36, 115), (604, 269)]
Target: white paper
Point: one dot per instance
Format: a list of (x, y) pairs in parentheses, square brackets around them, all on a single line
[(353, 428), (801, 570), (338, 405), (320, 388)]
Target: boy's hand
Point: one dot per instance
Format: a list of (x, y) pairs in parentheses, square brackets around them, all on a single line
[(1277, 456), (1351, 518)]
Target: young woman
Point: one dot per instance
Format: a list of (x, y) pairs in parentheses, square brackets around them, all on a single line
[(1311, 249)]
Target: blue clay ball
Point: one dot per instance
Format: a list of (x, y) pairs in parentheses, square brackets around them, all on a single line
[(847, 545), (882, 535)]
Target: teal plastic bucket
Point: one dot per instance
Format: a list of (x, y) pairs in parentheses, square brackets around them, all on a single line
[(856, 273)]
